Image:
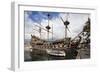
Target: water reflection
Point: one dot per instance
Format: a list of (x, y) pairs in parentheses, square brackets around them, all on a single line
[(42, 55)]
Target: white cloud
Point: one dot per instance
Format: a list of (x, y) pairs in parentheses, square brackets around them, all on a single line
[(77, 21)]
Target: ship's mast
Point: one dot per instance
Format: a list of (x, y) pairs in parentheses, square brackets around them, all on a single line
[(52, 31), (40, 30), (66, 23), (48, 28)]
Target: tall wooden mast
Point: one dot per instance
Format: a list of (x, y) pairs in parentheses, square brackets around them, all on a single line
[(48, 27), (66, 23)]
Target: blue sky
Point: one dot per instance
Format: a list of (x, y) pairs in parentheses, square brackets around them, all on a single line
[(32, 18), (39, 16)]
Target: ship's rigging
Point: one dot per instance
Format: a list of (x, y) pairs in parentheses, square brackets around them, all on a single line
[(66, 23), (50, 27), (60, 46)]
